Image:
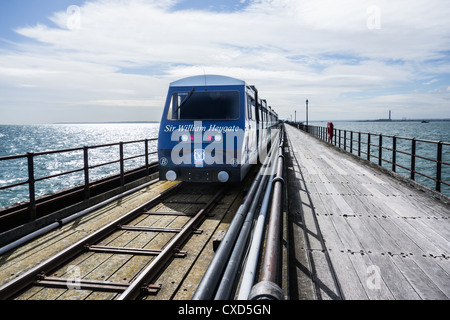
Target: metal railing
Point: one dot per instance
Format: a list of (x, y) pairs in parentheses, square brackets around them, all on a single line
[(411, 157), (87, 166)]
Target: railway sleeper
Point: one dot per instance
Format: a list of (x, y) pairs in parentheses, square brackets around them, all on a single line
[(155, 229), (136, 251), (96, 285), (175, 213)]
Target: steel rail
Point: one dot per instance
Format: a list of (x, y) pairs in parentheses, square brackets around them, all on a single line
[(20, 283), (134, 290)]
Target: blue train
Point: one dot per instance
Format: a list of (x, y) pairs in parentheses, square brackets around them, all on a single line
[(213, 129)]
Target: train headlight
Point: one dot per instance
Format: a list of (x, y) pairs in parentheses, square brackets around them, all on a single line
[(218, 137), (184, 137), (223, 176), (171, 175)]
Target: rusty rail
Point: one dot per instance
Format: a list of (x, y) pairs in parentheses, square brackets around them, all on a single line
[(134, 290)]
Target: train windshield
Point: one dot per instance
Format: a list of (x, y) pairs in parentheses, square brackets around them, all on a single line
[(205, 105)]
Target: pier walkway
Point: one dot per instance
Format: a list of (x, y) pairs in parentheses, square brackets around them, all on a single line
[(358, 233)]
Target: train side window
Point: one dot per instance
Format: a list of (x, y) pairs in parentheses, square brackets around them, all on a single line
[(257, 108), (250, 104)]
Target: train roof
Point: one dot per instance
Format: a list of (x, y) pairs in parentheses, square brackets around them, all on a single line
[(207, 80)]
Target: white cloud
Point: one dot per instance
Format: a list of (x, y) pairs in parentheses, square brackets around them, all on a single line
[(291, 50)]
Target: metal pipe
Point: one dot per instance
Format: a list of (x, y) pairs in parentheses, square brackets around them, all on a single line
[(269, 286), (248, 275), (270, 265), (209, 282), (231, 271)]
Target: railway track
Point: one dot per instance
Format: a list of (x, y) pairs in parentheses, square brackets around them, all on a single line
[(121, 260)]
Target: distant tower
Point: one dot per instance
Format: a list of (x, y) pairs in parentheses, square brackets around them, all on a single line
[(390, 115)]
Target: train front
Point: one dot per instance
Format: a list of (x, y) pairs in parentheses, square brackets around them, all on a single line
[(202, 130)]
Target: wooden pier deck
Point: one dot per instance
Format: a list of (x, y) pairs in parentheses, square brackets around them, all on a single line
[(359, 233)]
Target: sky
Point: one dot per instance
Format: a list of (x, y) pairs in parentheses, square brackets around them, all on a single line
[(99, 61)]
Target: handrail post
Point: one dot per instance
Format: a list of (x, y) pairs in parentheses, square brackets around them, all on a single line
[(359, 144), (380, 150), (413, 158), (31, 186), (339, 138), (122, 167), (394, 153), (146, 158), (345, 140), (86, 172), (368, 146), (351, 142), (439, 166)]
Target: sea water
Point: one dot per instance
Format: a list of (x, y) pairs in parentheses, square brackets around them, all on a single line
[(21, 139)]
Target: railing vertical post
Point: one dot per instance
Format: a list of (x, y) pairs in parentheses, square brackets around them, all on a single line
[(394, 153), (351, 142), (413, 158), (31, 186), (359, 144), (339, 138), (439, 166), (86, 172), (345, 140), (146, 158), (122, 167), (368, 146), (380, 150)]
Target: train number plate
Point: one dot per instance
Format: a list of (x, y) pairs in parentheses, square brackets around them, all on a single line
[(199, 157)]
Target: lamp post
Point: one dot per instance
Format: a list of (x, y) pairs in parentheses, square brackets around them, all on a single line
[(306, 111), (295, 116)]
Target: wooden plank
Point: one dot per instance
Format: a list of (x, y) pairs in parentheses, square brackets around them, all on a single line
[(315, 265), (380, 223), (302, 288)]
